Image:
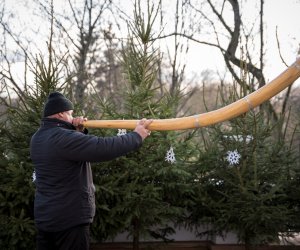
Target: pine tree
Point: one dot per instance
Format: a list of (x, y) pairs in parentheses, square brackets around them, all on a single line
[(20, 120), (142, 193), (244, 169)]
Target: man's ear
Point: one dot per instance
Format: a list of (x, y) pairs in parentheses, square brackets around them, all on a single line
[(61, 114)]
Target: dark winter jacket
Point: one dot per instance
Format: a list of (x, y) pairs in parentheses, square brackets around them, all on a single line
[(64, 185)]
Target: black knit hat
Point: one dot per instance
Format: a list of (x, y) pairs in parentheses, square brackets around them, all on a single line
[(57, 103)]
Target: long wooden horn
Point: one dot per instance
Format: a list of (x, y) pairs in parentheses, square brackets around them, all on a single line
[(228, 112)]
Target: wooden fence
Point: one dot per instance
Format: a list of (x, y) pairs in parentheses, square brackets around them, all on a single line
[(185, 245)]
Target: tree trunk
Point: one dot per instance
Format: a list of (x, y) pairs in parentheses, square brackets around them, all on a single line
[(136, 234)]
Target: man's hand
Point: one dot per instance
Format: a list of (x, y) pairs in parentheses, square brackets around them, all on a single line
[(78, 123), (141, 128)]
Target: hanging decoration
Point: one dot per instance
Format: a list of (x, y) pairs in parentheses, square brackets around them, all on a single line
[(33, 176), (170, 156), (233, 157), (121, 132)]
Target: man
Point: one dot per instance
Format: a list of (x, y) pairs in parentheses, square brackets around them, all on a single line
[(61, 152)]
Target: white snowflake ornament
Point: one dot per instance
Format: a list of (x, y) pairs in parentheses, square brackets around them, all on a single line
[(122, 132), (170, 156), (33, 176), (233, 157)]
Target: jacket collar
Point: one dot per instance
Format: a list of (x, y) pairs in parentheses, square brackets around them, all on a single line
[(53, 122)]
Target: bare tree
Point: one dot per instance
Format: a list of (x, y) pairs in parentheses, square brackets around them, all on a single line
[(232, 37), (10, 55), (84, 31), (172, 68), (230, 49)]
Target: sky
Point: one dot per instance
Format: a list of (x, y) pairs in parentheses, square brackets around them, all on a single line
[(279, 14)]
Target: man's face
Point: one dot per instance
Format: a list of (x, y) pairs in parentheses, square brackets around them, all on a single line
[(67, 116)]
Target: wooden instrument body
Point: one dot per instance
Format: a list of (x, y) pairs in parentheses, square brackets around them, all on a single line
[(228, 112)]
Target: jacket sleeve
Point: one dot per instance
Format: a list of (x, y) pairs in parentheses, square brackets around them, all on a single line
[(77, 146)]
